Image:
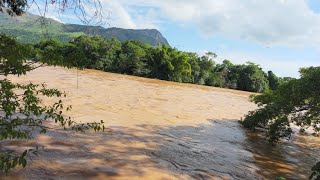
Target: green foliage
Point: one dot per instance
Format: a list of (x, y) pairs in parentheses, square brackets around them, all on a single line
[(293, 102), (13, 63), (13, 7), (89, 51), (132, 60), (315, 172), (247, 77), (9, 159), (206, 64), (51, 52), (162, 62), (112, 49), (252, 78), (195, 68), (178, 68), (274, 81), (22, 112), (229, 74), (296, 101), (286, 79)]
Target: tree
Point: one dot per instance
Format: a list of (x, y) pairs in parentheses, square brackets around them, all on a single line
[(228, 77), (170, 64), (206, 64), (20, 105), (50, 48), (216, 79), (286, 79), (132, 60), (252, 78), (113, 48), (231, 76), (91, 50), (195, 68), (295, 102), (86, 11), (181, 67), (274, 81), (162, 62), (21, 109), (315, 172), (12, 57), (16, 7)]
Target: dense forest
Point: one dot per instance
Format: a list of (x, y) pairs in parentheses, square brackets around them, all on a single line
[(161, 62)]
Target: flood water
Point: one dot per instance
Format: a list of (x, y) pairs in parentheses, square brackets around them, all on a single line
[(156, 130)]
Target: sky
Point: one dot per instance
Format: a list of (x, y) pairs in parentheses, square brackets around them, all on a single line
[(279, 35)]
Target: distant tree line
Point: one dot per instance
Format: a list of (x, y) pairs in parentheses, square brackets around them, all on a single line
[(161, 62)]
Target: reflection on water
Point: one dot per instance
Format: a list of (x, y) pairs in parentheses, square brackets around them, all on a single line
[(158, 130)]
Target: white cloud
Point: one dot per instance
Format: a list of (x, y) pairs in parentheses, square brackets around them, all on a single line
[(290, 23), (273, 22), (115, 14), (119, 16)]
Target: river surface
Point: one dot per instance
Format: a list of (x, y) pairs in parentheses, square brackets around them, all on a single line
[(156, 130)]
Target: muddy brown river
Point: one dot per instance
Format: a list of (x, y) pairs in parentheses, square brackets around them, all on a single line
[(156, 130)]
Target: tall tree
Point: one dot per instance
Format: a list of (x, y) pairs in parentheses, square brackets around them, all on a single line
[(170, 64), (252, 78), (295, 102), (21, 109), (20, 105), (132, 60), (206, 64), (274, 81)]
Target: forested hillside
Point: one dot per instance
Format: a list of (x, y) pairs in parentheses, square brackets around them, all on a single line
[(31, 28)]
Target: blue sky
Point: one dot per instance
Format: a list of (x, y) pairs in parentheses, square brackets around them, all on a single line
[(280, 35)]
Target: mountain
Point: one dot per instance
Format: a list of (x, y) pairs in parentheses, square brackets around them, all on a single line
[(30, 28)]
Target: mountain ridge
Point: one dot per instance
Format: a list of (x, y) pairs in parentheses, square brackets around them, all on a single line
[(30, 28)]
